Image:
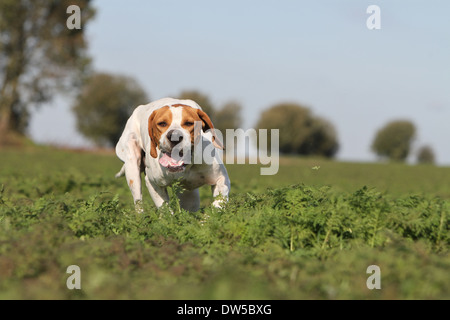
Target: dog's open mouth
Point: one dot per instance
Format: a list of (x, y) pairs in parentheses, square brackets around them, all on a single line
[(173, 165)]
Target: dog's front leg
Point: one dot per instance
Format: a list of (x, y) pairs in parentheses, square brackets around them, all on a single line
[(130, 153), (133, 177), (221, 188), (159, 195)]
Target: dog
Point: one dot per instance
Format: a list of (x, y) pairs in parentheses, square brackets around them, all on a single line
[(159, 139)]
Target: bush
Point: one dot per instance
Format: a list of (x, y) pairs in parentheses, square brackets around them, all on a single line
[(393, 141), (104, 106), (425, 155), (300, 131)]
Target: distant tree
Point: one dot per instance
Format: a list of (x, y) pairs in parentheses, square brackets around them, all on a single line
[(39, 55), (229, 117), (394, 140), (104, 106), (300, 131), (202, 100), (322, 139), (425, 155)]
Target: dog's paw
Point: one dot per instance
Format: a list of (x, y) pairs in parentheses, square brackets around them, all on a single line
[(220, 202), (138, 206)]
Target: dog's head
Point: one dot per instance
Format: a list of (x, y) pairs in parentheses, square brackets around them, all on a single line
[(172, 130)]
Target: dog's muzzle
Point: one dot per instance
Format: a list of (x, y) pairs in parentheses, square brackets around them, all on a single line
[(175, 158)]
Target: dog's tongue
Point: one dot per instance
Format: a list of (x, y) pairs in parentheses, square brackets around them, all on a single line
[(167, 161)]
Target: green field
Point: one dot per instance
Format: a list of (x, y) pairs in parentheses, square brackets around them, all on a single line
[(309, 232)]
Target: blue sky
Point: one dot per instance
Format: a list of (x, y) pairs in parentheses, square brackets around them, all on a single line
[(318, 53)]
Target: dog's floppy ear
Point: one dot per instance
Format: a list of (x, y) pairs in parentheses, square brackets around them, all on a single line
[(207, 125), (152, 134)]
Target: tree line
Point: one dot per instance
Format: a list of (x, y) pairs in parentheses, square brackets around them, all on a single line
[(106, 102), (40, 57)]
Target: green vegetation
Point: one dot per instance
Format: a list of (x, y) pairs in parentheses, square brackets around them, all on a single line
[(425, 155), (39, 56), (309, 232), (301, 132), (394, 140), (104, 105)]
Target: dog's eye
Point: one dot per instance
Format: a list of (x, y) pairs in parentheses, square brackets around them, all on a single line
[(162, 124), (188, 124)]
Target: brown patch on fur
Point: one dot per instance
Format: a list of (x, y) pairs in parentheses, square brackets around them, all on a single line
[(207, 125), (154, 130), (190, 114)]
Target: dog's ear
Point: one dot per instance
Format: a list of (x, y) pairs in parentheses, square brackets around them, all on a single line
[(152, 134), (207, 125)]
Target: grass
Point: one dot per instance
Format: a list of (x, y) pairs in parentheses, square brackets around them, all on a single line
[(309, 232)]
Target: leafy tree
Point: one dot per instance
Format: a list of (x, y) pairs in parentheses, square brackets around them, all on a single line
[(39, 55), (300, 131), (394, 140), (229, 117), (425, 155), (322, 139), (104, 106)]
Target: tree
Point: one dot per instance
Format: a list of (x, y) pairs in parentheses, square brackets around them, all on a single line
[(39, 55), (394, 140), (425, 155), (229, 117), (322, 139), (300, 131), (104, 106)]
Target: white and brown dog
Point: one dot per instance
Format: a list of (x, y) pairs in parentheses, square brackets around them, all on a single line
[(159, 138)]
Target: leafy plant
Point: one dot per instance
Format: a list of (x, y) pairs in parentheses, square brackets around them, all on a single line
[(293, 241)]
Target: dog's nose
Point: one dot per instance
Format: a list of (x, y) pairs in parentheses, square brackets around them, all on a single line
[(175, 137)]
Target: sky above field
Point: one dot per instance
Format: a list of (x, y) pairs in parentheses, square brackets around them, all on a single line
[(319, 53)]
